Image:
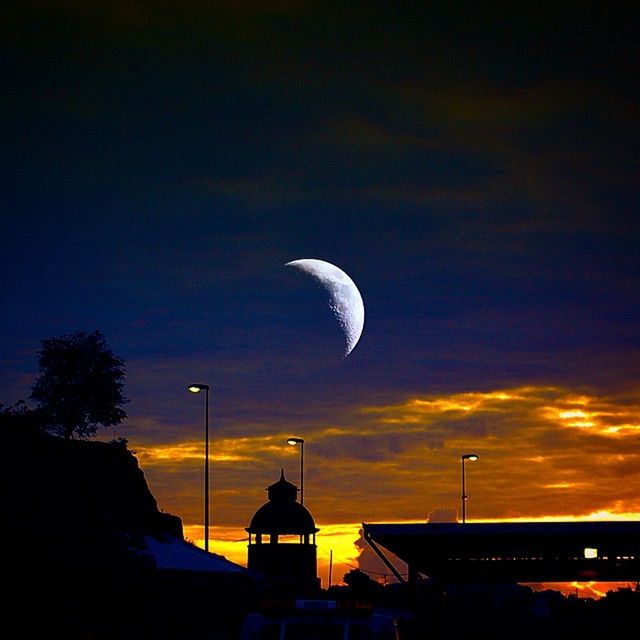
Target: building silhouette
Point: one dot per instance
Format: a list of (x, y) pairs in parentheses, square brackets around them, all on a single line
[(282, 541), (513, 551)]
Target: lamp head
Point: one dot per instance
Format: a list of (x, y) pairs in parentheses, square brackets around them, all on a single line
[(196, 388), (470, 456), (295, 441)]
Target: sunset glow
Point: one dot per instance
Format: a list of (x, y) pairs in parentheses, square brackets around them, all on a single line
[(534, 455)]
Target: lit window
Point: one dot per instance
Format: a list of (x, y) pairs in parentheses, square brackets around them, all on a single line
[(589, 552)]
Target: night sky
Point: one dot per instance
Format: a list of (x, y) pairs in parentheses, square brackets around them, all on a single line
[(474, 172)]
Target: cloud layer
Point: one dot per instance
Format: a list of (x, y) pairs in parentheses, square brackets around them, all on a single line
[(544, 452)]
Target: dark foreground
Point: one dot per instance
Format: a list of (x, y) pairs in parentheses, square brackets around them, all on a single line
[(74, 606)]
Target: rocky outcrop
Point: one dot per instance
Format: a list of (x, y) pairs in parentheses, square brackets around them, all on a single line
[(90, 555), (82, 503)]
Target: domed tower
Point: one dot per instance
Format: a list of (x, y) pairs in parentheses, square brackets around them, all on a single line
[(282, 540)]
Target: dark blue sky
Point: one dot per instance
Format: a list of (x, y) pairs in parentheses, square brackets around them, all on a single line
[(475, 172)]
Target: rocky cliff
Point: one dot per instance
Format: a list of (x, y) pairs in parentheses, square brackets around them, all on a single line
[(88, 553), (80, 503)]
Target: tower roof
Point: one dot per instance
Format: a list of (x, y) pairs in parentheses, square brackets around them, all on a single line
[(283, 490), (282, 514)]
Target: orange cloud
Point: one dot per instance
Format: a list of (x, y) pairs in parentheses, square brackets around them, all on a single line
[(224, 450)]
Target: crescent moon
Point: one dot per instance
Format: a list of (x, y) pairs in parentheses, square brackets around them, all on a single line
[(345, 300)]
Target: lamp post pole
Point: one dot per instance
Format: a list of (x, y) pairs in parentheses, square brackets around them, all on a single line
[(293, 442), (196, 388), (472, 457)]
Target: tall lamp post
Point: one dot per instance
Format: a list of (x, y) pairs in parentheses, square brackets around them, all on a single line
[(197, 388), (472, 457), (293, 442)]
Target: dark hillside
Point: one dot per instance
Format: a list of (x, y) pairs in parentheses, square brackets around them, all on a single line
[(77, 564), (81, 502)]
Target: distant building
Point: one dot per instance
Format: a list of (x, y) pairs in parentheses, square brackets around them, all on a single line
[(282, 541), (514, 551)]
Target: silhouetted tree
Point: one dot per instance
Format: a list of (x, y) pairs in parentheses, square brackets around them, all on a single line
[(80, 384), (360, 582)]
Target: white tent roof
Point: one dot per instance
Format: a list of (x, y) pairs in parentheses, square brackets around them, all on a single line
[(174, 553)]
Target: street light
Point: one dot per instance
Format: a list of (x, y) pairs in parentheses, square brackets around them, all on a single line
[(293, 442), (197, 388), (472, 457)]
